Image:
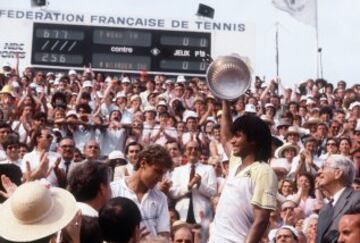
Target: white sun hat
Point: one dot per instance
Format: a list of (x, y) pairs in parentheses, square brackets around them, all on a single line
[(34, 211)]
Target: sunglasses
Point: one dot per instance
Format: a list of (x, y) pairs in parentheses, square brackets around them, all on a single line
[(10, 147), (331, 144)]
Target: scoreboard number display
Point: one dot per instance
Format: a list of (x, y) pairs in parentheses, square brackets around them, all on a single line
[(120, 49)]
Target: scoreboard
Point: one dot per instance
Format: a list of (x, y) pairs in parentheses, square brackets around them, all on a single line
[(120, 49)]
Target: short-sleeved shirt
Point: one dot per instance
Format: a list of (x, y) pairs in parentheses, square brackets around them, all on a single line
[(256, 185), (153, 207)]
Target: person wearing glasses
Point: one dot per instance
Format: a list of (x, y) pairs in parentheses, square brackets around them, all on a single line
[(335, 178), (67, 150), (40, 162), (331, 148), (193, 185), (11, 148)]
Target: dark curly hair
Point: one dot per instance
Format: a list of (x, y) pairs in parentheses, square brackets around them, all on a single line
[(155, 155)]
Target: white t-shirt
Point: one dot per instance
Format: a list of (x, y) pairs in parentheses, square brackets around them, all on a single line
[(153, 207)]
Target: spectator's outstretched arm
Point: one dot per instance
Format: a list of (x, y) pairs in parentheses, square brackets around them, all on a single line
[(226, 123), (108, 89), (79, 96), (17, 64)]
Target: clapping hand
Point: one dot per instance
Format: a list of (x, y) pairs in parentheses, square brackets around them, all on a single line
[(8, 185), (195, 181)]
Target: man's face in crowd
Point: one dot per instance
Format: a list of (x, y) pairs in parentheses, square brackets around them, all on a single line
[(183, 235), (284, 236), (115, 116), (173, 149), (355, 187), (327, 174), (204, 159), (287, 212), (310, 146), (192, 152), (282, 130), (321, 130), (22, 151), (150, 85), (4, 132), (44, 140), (349, 229), (191, 124), (66, 149), (12, 152), (92, 150), (40, 122), (40, 77), (132, 154), (331, 146), (179, 91), (352, 121), (340, 117)]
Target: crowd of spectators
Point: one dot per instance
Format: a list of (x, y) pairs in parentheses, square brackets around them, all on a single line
[(157, 141)]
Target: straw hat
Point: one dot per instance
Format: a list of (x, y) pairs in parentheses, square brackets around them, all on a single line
[(7, 90), (279, 152), (293, 130), (34, 212), (311, 121)]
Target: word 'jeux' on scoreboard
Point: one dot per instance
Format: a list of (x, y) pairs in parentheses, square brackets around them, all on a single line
[(108, 48)]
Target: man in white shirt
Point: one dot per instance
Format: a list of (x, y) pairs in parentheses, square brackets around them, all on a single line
[(193, 185), (153, 162), (41, 162)]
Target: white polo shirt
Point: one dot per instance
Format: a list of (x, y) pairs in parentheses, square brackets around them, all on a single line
[(153, 207)]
